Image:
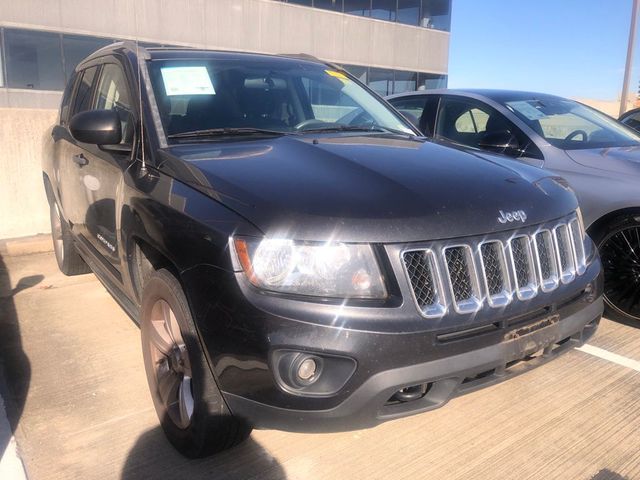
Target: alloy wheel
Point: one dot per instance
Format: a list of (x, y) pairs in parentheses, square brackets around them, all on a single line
[(620, 255), (171, 365)]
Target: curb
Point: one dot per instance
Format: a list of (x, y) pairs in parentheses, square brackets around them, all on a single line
[(15, 247)]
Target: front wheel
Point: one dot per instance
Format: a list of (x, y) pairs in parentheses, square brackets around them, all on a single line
[(186, 397), (619, 250)]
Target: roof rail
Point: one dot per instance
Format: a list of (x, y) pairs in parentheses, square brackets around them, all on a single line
[(135, 46), (306, 56), (302, 56)]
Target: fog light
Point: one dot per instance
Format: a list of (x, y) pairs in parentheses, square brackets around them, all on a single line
[(305, 373), (590, 293), (307, 369)]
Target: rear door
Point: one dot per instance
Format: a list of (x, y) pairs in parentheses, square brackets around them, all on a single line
[(67, 151)]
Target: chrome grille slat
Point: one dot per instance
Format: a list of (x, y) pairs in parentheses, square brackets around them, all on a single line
[(495, 273), (462, 277), (577, 241), (523, 267), (423, 275), (565, 253), (459, 276), (496, 270), (546, 260)]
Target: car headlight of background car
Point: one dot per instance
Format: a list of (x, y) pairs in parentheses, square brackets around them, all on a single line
[(319, 269)]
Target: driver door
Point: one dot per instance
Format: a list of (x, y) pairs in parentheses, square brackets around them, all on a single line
[(102, 167)]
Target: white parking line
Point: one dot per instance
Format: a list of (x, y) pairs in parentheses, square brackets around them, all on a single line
[(610, 356)]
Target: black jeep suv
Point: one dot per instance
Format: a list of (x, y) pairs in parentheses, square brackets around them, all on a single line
[(296, 254)]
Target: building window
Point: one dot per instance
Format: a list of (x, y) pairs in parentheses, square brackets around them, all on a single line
[(77, 47), (357, 71), (436, 14), (409, 12), (381, 81), (335, 5), (404, 82), (384, 10), (33, 60), (358, 7), (306, 3), (427, 81), (1, 59)]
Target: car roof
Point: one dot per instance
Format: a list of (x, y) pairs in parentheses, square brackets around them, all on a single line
[(168, 53), (496, 95)]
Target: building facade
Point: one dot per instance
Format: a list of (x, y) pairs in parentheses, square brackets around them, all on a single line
[(392, 45)]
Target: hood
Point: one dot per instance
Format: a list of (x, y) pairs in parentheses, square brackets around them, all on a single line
[(621, 160), (366, 188)]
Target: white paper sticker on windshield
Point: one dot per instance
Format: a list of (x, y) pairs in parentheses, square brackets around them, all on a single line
[(526, 109), (187, 81)]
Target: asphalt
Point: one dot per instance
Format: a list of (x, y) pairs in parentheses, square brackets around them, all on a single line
[(77, 403)]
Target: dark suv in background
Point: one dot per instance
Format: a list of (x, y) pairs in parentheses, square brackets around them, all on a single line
[(296, 254)]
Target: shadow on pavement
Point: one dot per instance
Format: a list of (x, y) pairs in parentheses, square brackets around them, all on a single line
[(153, 457), (607, 474), (15, 369)]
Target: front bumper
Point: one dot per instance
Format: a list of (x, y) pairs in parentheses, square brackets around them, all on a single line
[(447, 377), (392, 347)]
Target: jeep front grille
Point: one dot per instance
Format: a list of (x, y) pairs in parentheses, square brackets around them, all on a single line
[(464, 275)]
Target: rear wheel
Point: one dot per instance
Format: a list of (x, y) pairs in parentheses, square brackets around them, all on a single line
[(619, 250), (69, 260), (188, 402)]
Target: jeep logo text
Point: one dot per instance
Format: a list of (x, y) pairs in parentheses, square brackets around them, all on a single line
[(518, 215)]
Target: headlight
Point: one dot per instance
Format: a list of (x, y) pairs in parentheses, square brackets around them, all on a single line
[(319, 269)]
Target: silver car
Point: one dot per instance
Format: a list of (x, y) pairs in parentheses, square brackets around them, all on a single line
[(598, 156)]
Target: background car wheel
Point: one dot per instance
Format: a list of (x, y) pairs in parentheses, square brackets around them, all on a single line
[(188, 402), (69, 260), (619, 248)]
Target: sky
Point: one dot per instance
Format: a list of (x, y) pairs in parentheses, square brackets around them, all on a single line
[(571, 48)]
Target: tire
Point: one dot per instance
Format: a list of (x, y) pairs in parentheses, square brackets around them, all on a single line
[(619, 247), (69, 260), (189, 404)]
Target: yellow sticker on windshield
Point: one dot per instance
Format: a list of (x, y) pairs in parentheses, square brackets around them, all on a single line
[(339, 75)]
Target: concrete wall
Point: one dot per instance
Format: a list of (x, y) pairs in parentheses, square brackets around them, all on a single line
[(254, 25), (23, 205)]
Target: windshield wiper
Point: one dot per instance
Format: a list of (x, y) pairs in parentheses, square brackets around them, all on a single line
[(220, 132), (355, 128)]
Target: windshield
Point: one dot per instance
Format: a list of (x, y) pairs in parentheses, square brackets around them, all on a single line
[(570, 125), (263, 95)]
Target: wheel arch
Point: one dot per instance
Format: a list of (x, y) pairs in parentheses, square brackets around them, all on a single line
[(146, 258), (597, 228)]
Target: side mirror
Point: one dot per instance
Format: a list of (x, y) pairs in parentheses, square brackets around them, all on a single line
[(500, 142), (99, 127)]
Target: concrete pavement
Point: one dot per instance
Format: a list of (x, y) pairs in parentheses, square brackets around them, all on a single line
[(80, 409)]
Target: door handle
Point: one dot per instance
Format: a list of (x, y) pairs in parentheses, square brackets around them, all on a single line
[(80, 159)]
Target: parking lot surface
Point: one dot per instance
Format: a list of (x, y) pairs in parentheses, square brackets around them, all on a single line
[(77, 400)]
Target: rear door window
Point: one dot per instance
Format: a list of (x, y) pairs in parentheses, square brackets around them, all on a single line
[(84, 92)]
